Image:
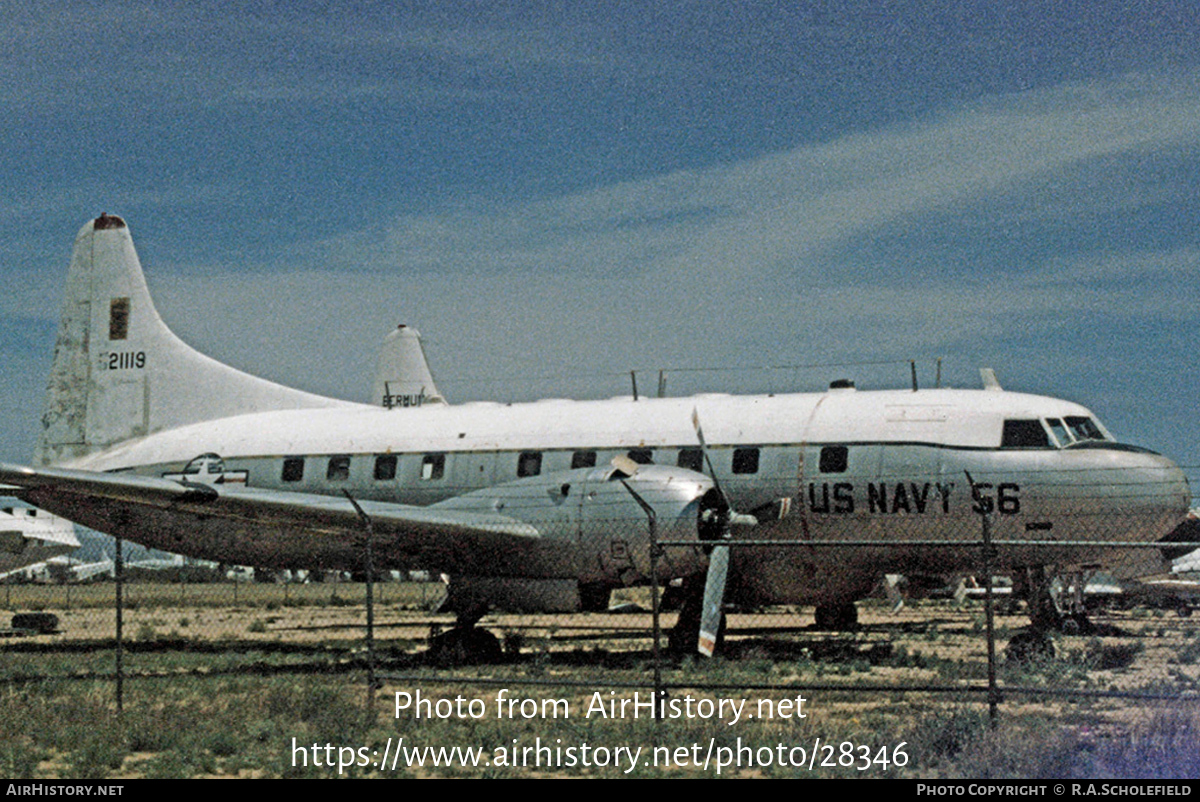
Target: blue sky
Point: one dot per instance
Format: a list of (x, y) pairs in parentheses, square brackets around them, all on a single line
[(555, 194)]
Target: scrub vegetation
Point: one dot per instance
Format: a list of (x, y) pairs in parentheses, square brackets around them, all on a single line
[(222, 691), (244, 727)]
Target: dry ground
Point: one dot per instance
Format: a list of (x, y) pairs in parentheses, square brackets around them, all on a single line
[(318, 629)]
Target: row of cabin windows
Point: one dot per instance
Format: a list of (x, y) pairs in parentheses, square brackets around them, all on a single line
[(833, 459), (529, 463)]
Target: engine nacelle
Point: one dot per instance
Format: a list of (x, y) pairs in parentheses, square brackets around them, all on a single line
[(603, 531)]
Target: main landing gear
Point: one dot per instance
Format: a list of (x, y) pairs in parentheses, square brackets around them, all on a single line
[(465, 644), (839, 617)]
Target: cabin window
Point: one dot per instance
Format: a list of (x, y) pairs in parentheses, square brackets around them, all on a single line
[(118, 319), (834, 459), (529, 463), (339, 468), (385, 467), (1024, 434), (583, 459), (293, 469), (691, 459), (745, 460), (433, 466), (642, 456)]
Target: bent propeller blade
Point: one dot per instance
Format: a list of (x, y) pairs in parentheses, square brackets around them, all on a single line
[(714, 600)]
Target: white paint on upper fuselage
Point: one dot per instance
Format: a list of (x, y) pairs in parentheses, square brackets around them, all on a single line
[(957, 418)]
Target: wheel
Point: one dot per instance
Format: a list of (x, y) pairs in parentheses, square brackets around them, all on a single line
[(43, 623), (1026, 647), (464, 646), (836, 617)]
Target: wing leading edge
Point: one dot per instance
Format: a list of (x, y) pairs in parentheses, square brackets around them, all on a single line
[(269, 528)]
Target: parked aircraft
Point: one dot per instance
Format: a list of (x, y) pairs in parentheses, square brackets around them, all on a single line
[(69, 569), (31, 536), (549, 505)]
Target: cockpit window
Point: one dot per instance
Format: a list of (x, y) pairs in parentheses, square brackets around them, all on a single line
[(1084, 428), (1060, 432), (1024, 434)]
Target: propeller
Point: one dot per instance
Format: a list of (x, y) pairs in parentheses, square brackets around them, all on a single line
[(716, 519), (891, 584)]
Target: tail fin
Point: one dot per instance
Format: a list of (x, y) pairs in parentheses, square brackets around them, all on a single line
[(120, 373), (403, 378)]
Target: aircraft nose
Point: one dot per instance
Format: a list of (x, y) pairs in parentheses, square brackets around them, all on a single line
[(1125, 493), (1173, 482), (1157, 483)]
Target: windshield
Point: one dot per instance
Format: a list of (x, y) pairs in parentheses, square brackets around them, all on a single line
[(1059, 430), (1075, 429), (1084, 429)]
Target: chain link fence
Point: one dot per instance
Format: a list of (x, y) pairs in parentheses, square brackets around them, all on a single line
[(927, 659)]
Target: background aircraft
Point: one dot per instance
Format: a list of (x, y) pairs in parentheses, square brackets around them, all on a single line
[(30, 536)]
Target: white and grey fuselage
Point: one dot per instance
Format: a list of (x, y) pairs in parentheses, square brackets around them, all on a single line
[(881, 466)]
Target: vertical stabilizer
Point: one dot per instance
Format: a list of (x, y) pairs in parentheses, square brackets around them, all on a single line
[(403, 378), (120, 373)]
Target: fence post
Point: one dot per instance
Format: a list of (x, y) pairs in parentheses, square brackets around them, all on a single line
[(370, 625), (652, 523), (370, 535), (988, 555), (119, 576), (654, 615)]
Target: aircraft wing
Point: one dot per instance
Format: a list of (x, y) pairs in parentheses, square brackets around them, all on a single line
[(272, 528)]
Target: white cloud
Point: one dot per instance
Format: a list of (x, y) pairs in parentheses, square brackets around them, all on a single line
[(743, 264), (784, 213)]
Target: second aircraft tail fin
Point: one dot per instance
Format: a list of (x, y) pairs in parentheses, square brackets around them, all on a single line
[(403, 378)]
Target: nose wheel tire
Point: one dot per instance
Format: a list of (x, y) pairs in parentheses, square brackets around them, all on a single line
[(836, 617)]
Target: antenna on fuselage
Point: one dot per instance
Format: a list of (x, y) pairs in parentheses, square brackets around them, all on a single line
[(990, 382)]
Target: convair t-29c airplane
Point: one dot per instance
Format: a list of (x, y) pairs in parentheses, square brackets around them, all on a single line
[(546, 506)]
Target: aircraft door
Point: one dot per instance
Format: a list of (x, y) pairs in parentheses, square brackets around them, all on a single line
[(472, 470)]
